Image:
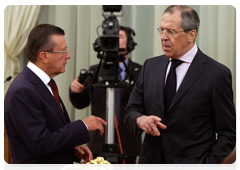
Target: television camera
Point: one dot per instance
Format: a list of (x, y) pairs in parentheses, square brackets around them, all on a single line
[(107, 48)]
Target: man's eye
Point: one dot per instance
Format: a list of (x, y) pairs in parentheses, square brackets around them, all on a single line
[(171, 31)]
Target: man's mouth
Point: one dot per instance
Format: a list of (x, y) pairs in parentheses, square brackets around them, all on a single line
[(166, 47)]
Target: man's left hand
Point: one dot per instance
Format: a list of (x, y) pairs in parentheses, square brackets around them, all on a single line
[(83, 152)]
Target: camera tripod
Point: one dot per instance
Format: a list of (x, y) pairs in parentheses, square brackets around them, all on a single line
[(110, 150)]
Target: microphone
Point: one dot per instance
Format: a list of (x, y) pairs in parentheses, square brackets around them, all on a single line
[(82, 75), (8, 79)]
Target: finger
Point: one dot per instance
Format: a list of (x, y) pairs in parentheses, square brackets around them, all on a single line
[(86, 161), (86, 150), (80, 151), (101, 131), (102, 121), (76, 81), (88, 153), (90, 157), (75, 88), (161, 125), (148, 130), (156, 119), (100, 126), (153, 129)]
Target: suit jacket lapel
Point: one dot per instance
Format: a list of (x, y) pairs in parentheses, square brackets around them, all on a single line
[(44, 92), (65, 112), (195, 70), (161, 80)]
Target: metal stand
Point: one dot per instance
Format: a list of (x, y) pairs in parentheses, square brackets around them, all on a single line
[(110, 150), (110, 110)]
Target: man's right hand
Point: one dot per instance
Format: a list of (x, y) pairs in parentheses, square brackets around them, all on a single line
[(150, 123), (94, 123), (76, 87)]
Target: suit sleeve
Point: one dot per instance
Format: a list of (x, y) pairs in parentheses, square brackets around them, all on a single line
[(27, 114), (225, 118), (135, 107), (82, 100)]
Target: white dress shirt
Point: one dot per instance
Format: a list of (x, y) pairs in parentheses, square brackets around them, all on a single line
[(182, 69), (44, 77), (41, 74)]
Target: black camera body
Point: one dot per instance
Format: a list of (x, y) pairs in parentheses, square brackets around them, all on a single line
[(107, 48), (109, 41), (107, 45)]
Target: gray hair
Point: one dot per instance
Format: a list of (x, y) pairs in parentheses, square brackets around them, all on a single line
[(190, 19)]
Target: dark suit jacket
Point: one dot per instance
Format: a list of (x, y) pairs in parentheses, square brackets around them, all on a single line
[(203, 106), (37, 130), (131, 144)]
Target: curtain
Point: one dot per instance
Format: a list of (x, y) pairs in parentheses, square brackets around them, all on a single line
[(18, 21)]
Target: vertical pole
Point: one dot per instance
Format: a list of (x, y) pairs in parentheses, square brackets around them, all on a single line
[(110, 111)]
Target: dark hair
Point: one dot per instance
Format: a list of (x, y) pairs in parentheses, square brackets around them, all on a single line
[(130, 42), (39, 39), (126, 30), (190, 19)]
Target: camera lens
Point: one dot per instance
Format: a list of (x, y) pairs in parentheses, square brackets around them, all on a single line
[(109, 43)]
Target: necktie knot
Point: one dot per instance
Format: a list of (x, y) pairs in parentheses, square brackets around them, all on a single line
[(52, 84), (175, 63)]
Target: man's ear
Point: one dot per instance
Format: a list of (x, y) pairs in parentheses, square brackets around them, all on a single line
[(43, 57), (192, 34)]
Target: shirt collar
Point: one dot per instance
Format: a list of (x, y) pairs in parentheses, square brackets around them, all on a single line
[(40, 73), (189, 56)]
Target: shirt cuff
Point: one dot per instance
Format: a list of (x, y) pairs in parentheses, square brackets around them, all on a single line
[(85, 124)]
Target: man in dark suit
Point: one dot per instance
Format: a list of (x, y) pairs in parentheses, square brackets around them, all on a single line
[(37, 123), (199, 124), (80, 98)]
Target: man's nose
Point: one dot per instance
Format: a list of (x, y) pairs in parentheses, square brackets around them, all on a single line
[(68, 56), (164, 35)]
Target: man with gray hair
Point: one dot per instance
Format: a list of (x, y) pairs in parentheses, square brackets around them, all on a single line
[(182, 99)]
